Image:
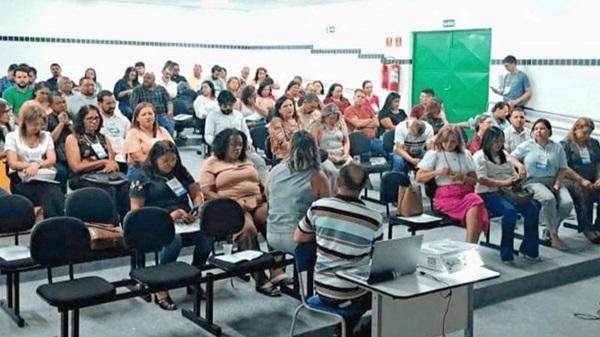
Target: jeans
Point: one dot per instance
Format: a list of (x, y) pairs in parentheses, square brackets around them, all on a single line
[(62, 173), (376, 151), (166, 123), (400, 164), (203, 245), (497, 203), (584, 206), (359, 305)]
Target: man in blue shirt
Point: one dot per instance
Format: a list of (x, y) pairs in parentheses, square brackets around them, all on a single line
[(515, 90), (8, 80), (56, 70)]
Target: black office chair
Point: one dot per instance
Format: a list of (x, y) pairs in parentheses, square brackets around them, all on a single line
[(92, 204), (360, 145), (17, 217), (260, 141), (388, 141), (63, 241), (305, 257), (149, 229)]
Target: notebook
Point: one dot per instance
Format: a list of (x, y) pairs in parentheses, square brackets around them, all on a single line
[(390, 259)]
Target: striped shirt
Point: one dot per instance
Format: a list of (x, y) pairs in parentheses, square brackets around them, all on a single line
[(345, 230)]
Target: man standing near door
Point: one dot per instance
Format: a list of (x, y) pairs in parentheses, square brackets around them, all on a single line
[(515, 90)]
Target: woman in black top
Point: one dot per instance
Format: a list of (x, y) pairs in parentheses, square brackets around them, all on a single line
[(390, 114), (164, 182), (89, 153), (583, 157)]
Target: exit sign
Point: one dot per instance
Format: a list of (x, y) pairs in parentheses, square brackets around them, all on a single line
[(448, 23)]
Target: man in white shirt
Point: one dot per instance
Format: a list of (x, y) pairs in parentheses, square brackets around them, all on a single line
[(84, 97), (227, 118), (165, 81), (516, 133), (412, 138), (114, 126)]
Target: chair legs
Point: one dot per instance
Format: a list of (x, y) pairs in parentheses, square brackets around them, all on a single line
[(295, 317), (64, 323)]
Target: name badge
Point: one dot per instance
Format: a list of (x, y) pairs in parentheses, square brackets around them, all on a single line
[(99, 150), (542, 161), (585, 156), (506, 90), (176, 187)]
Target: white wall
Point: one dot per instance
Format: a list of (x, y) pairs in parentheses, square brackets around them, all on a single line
[(527, 29)]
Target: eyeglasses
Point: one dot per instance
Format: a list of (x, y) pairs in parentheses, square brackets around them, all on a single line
[(91, 119)]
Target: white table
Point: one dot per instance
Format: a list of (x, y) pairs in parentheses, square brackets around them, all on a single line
[(414, 305)]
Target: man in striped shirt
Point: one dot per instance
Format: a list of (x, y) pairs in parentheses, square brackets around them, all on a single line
[(344, 229)]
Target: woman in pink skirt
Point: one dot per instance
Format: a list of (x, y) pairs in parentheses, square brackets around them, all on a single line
[(454, 171)]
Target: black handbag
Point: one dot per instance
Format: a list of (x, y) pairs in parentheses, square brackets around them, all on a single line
[(103, 178), (517, 194)]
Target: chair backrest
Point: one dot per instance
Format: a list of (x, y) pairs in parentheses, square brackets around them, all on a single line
[(60, 241), (305, 256), (148, 229), (388, 141), (16, 214), (259, 135), (359, 143), (221, 218), (92, 204), (390, 182)]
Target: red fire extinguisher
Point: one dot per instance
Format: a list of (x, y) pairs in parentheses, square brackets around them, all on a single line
[(390, 77)]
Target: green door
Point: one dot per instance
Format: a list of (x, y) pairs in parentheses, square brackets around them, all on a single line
[(456, 64)]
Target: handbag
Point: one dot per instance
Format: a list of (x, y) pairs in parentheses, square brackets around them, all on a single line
[(103, 178), (517, 194), (105, 236), (410, 202)]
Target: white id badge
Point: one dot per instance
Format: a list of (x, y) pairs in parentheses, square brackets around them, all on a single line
[(35, 157), (542, 161), (176, 187), (99, 150), (506, 90), (585, 156)]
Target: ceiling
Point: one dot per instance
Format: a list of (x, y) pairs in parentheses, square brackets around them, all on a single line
[(235, 5)]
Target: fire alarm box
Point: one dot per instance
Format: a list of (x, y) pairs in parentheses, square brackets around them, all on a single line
[(390, 77)]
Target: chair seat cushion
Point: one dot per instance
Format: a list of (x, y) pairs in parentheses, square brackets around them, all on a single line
[(77, 293), (166, 276), (315, 302), (375, 168)]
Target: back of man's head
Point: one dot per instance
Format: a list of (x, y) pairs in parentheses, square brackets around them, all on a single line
[(352, 179), (311, 98), (429, 92)]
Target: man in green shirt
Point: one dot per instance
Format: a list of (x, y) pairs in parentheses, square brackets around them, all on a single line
[(20, 92)]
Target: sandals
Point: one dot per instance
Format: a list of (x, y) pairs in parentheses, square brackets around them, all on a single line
[(268, 289), (165, 303)]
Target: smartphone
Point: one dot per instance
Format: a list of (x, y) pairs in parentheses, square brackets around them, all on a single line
[(194, 210)]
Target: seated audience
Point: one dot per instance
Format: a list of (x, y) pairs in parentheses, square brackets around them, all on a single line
[(227, 173), (516, 133), (319, 89), (371, 100), (453, 169), (293, 91), (144, 132), (360, 118), (60, 126), (164, 182), (195, 80), (253, 114), (344, 229), (545, 162), (123, 90), (425, 98), (215, 79), (433, 115), (295, 182), (412, 139), (5, 126), (150, 92), (260, 76), (165, 80), (390, 114), (264, 100), (30, 155), (482, 123), (283, 125), (233, 86), (20, 92), (309, 110), (583, 157), (335, 95), (206, 102), (494, 172), (84, 97), (41, 90), (114, 127), (332, 136), (65, 86), (91, 74), (90, 152)]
